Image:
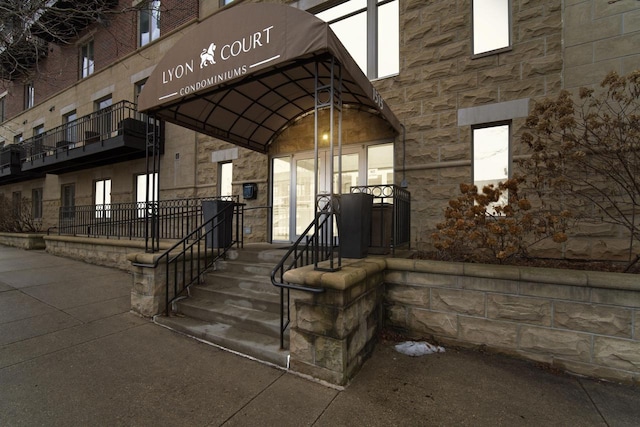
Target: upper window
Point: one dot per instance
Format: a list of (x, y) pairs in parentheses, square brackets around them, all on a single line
[(29, 95), (491, 26), (371, 33), (225, 2), (491, 155), (87, 63), (17, 139), (149, 23), (2, 107)]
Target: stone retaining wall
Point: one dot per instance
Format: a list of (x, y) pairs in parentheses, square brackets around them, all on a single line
[(26, 241), (107, 252), (582, 322)]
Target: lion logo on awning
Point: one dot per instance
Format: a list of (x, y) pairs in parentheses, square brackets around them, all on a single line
[(208, 56)]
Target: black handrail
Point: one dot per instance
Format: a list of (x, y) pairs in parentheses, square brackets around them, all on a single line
[(186, 261), (308, 249)]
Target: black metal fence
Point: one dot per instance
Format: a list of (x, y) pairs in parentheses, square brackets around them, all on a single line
[(171, 219), (390, 218)]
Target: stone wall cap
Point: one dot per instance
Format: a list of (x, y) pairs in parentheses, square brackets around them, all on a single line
[(23, 235), (351, 273)]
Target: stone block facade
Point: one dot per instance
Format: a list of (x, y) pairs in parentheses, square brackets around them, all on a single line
[(333, 333), (583, 322)]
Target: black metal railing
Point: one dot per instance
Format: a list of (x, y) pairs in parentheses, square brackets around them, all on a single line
[(316, 244), (390, 218), (186, 261), (97, 127), (170, 219)]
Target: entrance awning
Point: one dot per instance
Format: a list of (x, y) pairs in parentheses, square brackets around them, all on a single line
[(245, 74)]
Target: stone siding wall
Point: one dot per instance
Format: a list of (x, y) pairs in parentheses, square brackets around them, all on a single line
[(583, 322), (333, 333), (26, 241), (599, 37)]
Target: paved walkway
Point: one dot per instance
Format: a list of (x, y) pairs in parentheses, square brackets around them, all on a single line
[(71, 354)]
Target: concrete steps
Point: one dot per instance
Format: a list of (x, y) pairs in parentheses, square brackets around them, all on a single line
[(236, 307)]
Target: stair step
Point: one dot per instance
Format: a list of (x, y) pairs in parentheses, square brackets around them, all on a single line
[(253, 268), (258, 253), (259, 346), (248, 319), (239, 297), (223, 279)]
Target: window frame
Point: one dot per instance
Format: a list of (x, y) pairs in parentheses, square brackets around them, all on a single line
[(501, 123), (67, 204), (372, 25), (495, 51), (102, 210), (221, 171), (152, 10), (29, 95), (87, 51), (3, 106), (36, 203), (154, 188)]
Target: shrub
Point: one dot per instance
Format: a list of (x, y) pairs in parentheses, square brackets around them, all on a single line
[(479, 228)]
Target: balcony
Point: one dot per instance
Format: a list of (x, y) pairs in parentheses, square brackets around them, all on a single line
[(111, 135)]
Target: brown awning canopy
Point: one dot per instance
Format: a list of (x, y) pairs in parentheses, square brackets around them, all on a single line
[(245, 74)]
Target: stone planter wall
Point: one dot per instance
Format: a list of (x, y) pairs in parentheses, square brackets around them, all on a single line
[(107, 252), (582, 322), (26, 241), (332, 333)]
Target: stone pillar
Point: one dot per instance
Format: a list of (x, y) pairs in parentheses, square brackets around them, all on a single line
[(333, 333), (148, 293)]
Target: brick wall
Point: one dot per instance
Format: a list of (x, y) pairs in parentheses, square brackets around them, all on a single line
[(582, 322)]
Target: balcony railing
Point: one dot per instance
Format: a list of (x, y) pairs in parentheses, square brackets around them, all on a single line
[(95, 128)]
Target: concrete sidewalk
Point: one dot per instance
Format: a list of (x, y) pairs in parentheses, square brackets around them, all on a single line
[(71, 354)]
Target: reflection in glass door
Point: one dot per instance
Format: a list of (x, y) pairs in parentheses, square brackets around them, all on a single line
[(294, 185)]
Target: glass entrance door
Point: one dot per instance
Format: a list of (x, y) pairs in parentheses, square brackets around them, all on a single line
[(293, 181)]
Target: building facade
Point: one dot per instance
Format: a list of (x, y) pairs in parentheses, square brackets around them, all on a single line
[(460, 76)]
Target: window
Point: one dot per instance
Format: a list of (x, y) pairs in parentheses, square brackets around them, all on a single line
[(70, 130), (380, 164), (149, 23), (38, 145), (491, 26), (491, 155), (29, 95), (103, 110), (370, 30), (68, 201), (146, 185), (36, 203), (225, 2), (16, 205), (225, 172), (17, 139), (102, 198), (87, 63), (2, 107)]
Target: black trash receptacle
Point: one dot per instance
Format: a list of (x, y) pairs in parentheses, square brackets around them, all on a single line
[(381, 228), (222, 234), (355, 224)]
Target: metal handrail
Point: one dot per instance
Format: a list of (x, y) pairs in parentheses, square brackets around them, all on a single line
[(186, 261), (310, 248)]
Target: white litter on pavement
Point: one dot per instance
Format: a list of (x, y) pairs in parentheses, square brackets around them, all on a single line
[(418, 348)]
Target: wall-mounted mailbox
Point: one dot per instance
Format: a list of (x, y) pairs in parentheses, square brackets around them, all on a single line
[(249, 191)]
